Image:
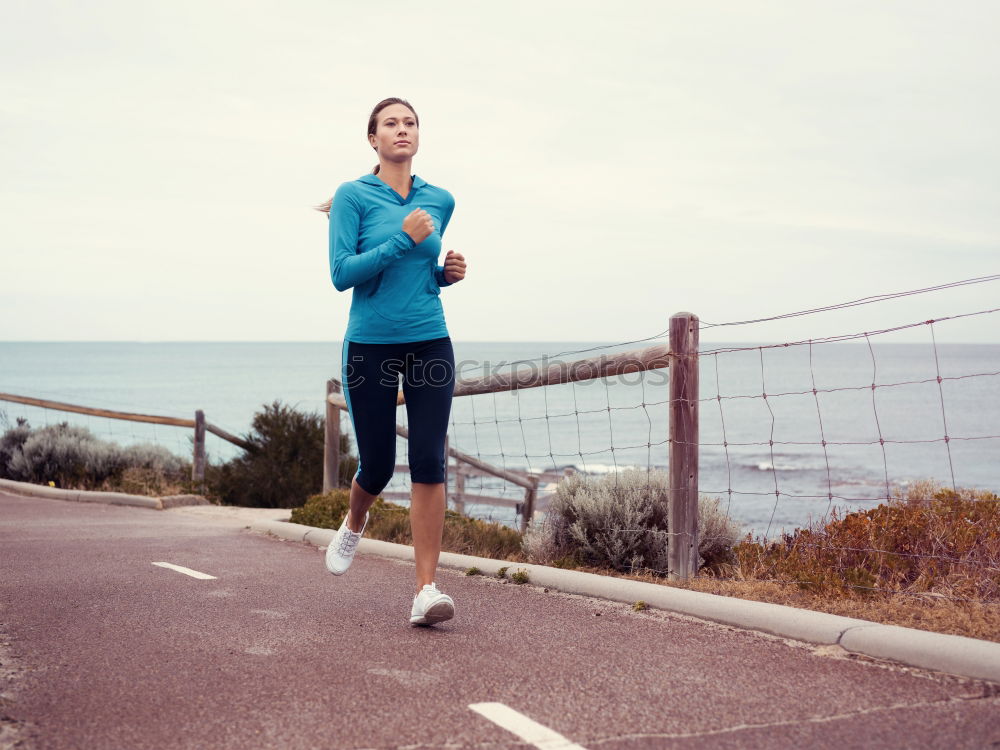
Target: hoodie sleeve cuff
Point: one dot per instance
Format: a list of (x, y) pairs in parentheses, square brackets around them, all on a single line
[(404, 241), (439, 276)]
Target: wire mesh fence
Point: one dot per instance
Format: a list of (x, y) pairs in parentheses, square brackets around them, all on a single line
[(794, 436)]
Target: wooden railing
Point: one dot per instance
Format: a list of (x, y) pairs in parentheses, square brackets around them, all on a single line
[(199, 425), (459, 497)]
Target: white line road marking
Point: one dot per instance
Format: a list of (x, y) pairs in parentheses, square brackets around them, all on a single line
[(527, 729), (185, 571)]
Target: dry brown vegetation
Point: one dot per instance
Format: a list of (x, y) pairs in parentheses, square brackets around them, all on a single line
[(928, 559), (930, 540), (138, 480)]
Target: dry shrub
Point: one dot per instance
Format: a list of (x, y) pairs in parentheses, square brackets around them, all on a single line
[(619, 521), (11, 442), (929, 540), (64, 454), (73, 457)]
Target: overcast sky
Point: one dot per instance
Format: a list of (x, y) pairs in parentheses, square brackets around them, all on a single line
[(612, 163)]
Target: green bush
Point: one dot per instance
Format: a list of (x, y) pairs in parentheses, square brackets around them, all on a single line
[(281, 468), (619, 521), (391, 523)]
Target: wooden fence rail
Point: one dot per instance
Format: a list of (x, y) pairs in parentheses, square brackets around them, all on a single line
[(198, 424), (639, 360)]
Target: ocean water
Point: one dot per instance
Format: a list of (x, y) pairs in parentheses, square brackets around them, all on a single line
[(764, 458)]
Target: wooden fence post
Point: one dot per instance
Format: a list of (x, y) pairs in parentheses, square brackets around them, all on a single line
[(198, 465), (683, 458), (528, 509), (459, 489), (331, 440)]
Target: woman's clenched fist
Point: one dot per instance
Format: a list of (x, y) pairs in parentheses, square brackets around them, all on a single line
[(419, 225), (454, 267)]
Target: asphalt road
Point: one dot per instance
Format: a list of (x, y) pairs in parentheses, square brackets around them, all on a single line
[(100, 648)]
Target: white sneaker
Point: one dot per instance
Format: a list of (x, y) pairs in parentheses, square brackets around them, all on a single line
[(430, 606), (340, 553)]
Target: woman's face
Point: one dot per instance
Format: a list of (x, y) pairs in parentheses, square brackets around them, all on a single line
[(396, 136)]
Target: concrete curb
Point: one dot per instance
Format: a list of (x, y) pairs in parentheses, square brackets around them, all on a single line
[(953, 654), (110, 498)]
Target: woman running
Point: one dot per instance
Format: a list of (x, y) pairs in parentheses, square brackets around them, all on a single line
[(385, 239)]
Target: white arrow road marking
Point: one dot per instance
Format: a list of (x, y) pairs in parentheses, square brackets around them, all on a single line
[(527, 729), (185, 571)]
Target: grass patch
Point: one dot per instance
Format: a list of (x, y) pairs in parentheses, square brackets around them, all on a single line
[(519, 577), (391, 523)]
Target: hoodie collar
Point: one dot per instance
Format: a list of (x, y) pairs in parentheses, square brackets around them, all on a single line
[(372, 179)]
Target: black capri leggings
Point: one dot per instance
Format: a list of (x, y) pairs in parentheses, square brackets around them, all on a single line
[(370, 374)]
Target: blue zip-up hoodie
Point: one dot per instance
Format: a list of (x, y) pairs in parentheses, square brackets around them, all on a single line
[(396, 282)]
